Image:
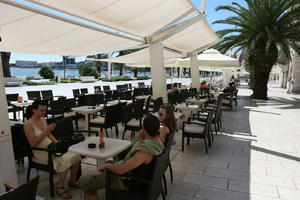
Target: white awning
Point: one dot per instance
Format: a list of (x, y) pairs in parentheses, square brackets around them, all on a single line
[(141, 58), (210, 58), (194, 37), (137, 17), (27, 32)]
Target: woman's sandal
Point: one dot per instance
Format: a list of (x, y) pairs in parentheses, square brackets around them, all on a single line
[(64, 194), (73, 184)]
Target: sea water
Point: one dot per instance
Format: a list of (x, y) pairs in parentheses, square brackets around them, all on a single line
[(30, 72)]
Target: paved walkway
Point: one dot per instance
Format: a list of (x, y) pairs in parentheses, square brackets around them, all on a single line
[(255, 157)]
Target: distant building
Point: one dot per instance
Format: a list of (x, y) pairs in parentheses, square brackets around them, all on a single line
[(25, 63), (68, 61)]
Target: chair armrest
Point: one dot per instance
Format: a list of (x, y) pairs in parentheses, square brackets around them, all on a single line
[(196, 123), (40, 149), (129, 176)]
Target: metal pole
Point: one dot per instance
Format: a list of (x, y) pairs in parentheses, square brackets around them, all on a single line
[(64, 62)]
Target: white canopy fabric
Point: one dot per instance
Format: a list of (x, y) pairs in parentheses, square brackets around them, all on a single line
[(26, 32), (140, 58), (137, 17), (196, 36), (210, 58)]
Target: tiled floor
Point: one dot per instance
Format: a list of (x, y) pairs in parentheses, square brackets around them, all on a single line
[(255, 157)]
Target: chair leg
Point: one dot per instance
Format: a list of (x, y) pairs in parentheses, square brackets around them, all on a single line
[(28, 173), (117, 130), (188, 141), (76, 124), (165, 184), (51, 182), (171, 172), (215, 124), (123, 136), (206, 148), (182, 144), (163, 195), (106, 132)]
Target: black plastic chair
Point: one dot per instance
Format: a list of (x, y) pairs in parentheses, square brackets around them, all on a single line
[(130, 122), (84, 91), (108, 95), (34, 95), (157, 103), (150, 187), (194, 129), (76, 93), (106, 121), (26, 191), (106, 88), (12, 108), (168, 144), (47, 95), (57, 108)]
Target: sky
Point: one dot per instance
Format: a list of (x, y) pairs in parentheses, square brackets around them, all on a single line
[(212, 16)]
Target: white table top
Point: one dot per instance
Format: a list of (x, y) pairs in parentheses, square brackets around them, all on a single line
[(189, 107), (110, 103), (21, 104), (87, 109), (142, 97), (196, 101), (112, 148)]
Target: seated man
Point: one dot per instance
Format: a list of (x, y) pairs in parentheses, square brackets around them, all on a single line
[(142, 153)]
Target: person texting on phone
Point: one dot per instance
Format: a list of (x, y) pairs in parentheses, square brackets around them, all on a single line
[(39, 135)]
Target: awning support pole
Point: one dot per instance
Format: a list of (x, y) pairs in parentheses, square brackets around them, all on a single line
[(195, 72), (159, 85)]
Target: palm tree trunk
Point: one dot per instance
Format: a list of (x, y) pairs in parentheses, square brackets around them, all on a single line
[(260, 90), (98, 66), (5, 56)]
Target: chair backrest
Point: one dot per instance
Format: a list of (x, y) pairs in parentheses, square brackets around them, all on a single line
[(87, 100), (108, 94), (148, 104), (64, 128), (157, 103), (106, 87), (111, 115), (70, 103), (130, 86), (26, 191), (127, 95), (57, 105), (34, 95), (116, 94), (208, 121), (138, 106), (100, 99), (47, 94), (137, 92), (21, 146), (12, 97), (84, 91), (127, 113), (76, 92), (155, 187)]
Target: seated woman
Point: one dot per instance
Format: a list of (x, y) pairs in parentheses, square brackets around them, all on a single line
[(168, 122), (141, 155), (39, 135)]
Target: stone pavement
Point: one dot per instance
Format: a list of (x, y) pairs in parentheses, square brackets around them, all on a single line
[(254, 157)]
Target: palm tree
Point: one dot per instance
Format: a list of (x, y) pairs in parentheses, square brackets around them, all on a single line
[(5, 56), (260, 30)]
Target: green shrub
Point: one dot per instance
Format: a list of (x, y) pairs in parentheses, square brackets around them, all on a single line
[(39, 83), (87, 70), (46, 73), (142, 78), (117, 78)]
